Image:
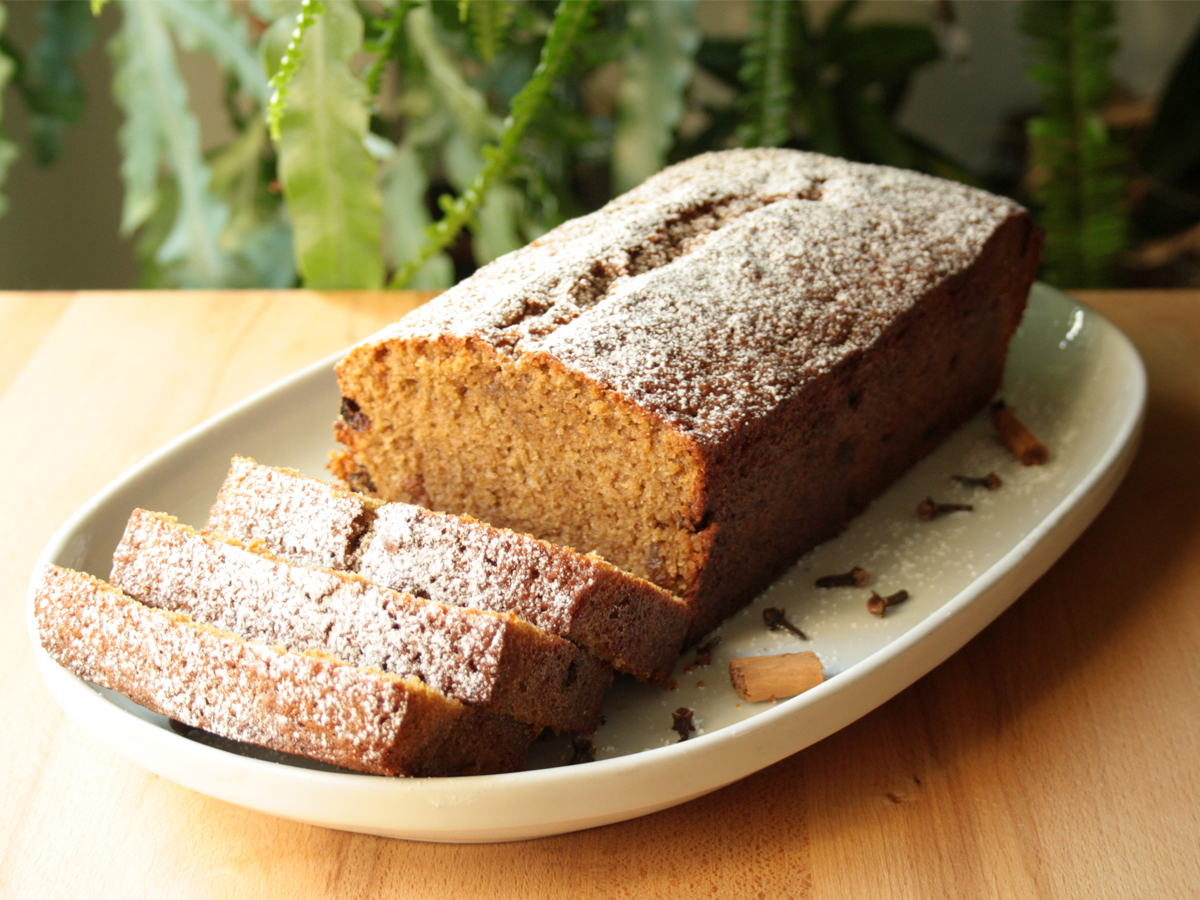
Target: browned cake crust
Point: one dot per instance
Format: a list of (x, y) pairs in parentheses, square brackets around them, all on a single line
[(308, 704), (495, 662), (706, 377), (634, 625)]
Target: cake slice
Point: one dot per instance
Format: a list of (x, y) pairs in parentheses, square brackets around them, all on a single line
[(494, 662), (634, 625), (308, 704), (707, 376)]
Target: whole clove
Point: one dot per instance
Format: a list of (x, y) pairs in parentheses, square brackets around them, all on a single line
[(878, 605), (776, 619), (856, 577), (703, 655), (928, 509), (583, 751), (991, 481), (681, 723)]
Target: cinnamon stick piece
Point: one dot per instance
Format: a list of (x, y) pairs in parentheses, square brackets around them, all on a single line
[(1020, 441), (758, 678)]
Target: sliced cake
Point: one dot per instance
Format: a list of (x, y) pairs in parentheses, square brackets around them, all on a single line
[(634, 625), (304, 703), (494, 662)]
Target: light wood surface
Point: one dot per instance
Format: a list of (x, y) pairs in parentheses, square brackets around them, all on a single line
[(1056, 756)]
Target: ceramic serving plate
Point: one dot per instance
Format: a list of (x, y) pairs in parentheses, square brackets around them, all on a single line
[(1072, 377)]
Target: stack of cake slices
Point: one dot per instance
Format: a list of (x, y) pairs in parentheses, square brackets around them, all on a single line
[(378, 637)]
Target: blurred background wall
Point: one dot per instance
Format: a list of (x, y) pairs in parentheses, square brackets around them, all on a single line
[(61, 228)]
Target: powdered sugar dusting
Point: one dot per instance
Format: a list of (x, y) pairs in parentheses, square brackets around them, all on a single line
[(310, 524), (165, 564), (297, 703), (409, 548), (724, 283), (447, 559)]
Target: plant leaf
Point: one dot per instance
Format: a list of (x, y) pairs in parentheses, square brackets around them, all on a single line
[(158, 128), (8, 150), (404, 184), (887, 49), (812, 60), (328, 175), (488, 21), (494, 227), (49, 83), (877, 137), (766, 76), (387, 43), (721, 58), (496, 230), (467, 105), (494, 222), (259, 234), (210, 26), (284, 64), (1082, 196), (571, 19), (650, 99)]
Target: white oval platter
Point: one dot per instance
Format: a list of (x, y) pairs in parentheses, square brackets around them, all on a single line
[(1072, 377)]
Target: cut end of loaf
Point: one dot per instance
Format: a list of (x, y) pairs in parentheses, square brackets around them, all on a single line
[(523, 444)]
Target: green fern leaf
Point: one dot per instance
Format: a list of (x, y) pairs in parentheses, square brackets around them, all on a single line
[(404, 184), (8, 150), (49, 82), (571, 18), (488, 21), (1082, 191), (210, 26), (387, 42), (259, 234), (496, 229), (283, 65), (444, 75), (650, 101), (494, 226), (327, 173), (159, 128), (765, 74), (494, 223)]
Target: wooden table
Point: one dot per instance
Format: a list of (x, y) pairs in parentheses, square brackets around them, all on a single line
[(1056, 755)]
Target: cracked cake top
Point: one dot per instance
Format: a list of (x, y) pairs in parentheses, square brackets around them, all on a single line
[(723, 284)]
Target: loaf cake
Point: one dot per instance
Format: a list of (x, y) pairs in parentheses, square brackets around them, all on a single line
[(494, 662), (635, 626), (704, 378), (308, 704)]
